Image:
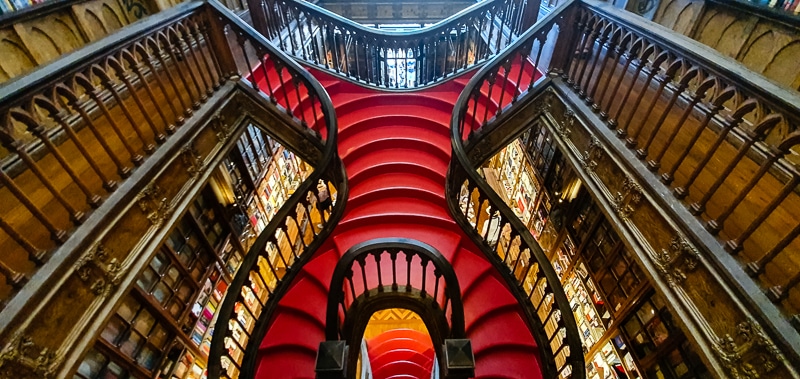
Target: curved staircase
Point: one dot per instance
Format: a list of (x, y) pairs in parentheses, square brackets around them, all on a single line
[(401, 353), (396, 149)]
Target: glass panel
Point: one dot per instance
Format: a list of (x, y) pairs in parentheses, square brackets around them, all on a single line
[(129, 346), (128, 308), (144, 322), (146, 280), (148, 358), (175, 308), (646, 312), (114, 371), (162, 293), (92, 364), (158, 337), (159, 262), (113, 330), (172, 276), (184, 292)]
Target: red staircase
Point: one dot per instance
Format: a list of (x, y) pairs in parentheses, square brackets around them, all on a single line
[(401, 353), (396, 150)]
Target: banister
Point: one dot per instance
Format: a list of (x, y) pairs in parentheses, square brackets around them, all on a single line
[(773, 94), (556, 334), (753, 118), (328, 170), (433, 29), (359, 287), (394, 244), (364, 55), (17, 89)]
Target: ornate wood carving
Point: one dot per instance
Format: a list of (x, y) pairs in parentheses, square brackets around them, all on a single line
[(720, 322)]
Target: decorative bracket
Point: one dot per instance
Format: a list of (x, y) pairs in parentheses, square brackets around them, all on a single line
[(154, 204)]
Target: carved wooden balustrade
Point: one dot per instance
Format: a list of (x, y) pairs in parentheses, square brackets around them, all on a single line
[(725, 141), (392, 60), (390, 273), (715, 149), (486, 217), (81, 137)]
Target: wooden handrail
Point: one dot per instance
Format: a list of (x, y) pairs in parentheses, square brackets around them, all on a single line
[(377, 274), (511, 78), (365, 55)]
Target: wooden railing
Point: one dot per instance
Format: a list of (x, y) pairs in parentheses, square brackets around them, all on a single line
[(389, 273), (275, 257), (724, 140), (507, 79), (721, 140), (76, 132), (392, 60), (72, 132)]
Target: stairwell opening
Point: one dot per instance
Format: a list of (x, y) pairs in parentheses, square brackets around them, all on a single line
[(396, 342)]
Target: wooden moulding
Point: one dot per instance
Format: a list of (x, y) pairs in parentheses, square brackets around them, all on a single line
[(115, 246), (734, 328)]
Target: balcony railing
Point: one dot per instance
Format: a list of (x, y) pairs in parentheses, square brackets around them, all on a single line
[(509, 78), (389, 273), (725, 141), (74, 134), (74, 131), (722, 142), (392, 60)]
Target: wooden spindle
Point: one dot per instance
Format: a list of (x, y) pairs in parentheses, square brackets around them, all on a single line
[(39, 130), (714, 108), (59, 115), (169, 127), (377, 256), (620, 51), (672, 69), (757, 267), (58, 235), (146, 57), (16, 146), (736, 118), (13, 278), (780, 293), (642, 61), (611, 46), (182, 46), (735, 245), (773, 155), (655, 68), (683, 83), (422, 292), (170, 49), (136, 158), (197, 54), (409, 257), (213, 68), (698, 95), (393, 257), (585, 55), (120, 71), (362, 263), (600, 40), (35, 254)]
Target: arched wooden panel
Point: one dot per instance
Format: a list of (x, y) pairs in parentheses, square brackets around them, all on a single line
[(48, 37), (678, 15), (16, 57)]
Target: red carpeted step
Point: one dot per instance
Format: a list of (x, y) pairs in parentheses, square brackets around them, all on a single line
[(396, 368), (417, 183)]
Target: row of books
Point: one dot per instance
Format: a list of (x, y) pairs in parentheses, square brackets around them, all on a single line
[(792, 6), (8, 6)]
